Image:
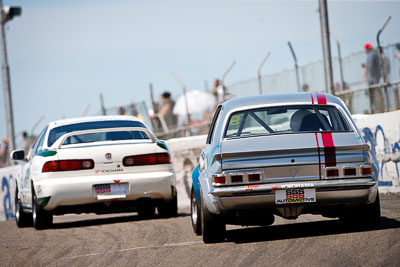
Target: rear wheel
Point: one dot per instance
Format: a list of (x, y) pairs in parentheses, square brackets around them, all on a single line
[(195, 213), (168, 208), (212, 226), (21, 218), (41, 218), (368, 214), (372, 212)]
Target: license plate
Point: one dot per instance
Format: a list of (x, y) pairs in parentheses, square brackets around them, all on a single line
[(295, 195), (110, 191)]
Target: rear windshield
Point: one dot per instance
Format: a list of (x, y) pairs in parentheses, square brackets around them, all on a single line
[(57, 132), (289, 119)]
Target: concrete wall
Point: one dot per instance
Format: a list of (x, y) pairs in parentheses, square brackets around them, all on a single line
[(381, 131), (7, 193)]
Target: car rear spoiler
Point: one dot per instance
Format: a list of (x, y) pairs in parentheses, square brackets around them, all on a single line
[(60, 141)]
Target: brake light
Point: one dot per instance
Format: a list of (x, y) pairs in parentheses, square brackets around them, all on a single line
[(148, 159), (163, 158), (219, 179), (332, 172), (236, 178), (366, 170), (50, 166), (68, 165), (254, 177), (350, 171)]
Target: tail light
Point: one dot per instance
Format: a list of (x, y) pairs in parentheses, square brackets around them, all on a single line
[(366, 170), (148, 159), (219, 179), (68, 165), (254, 177), (350, 171), (236, 178), (332, 172)]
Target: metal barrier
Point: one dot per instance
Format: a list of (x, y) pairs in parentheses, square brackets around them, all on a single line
[(312, 78), (380, 98), (196, 128)]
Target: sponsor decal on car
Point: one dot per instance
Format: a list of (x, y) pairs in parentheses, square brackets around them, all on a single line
[(295, 195), (251, 187), (301, 185), (109, 171)]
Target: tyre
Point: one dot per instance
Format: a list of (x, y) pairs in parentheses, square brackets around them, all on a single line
[(213, 228), (168, 208), (195, 213), (372, 212), (41, 218), (366, 215), (21, 218), (146, 209)]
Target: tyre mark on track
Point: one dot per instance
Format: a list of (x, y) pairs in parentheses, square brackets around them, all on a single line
[(134, 248)]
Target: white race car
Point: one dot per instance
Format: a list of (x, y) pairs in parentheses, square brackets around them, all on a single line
[(102, 164)]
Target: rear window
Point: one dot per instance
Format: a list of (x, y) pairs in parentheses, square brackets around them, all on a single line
[(281, 120), (57, 132)]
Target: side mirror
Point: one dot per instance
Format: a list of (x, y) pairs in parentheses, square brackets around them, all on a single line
[(18, 155)]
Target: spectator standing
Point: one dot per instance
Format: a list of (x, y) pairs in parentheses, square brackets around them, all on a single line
[(166, 110), (4, 157), (398, 50), (372, 75), (121, 111), (372, 72), (28, 140), (218, 91), (396, 90)]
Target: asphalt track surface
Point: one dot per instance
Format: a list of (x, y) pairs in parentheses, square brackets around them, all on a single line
[(124, 240)]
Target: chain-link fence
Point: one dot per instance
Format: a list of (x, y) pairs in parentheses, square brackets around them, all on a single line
[(357, 96), (138, 109), (359, 99)]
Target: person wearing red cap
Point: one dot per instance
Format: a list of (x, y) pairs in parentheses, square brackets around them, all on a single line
[(372, 72)]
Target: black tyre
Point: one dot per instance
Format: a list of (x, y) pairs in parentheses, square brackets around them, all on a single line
[(195, 213), (169, 208), (372, 212), (213, 228), (21, 218), (366, 215), (146, 209), (41, 218)]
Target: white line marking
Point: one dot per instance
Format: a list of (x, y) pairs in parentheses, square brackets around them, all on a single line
[(135, 248)]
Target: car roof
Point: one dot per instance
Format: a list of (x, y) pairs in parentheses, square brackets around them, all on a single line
[(282, 99), (92, 119)]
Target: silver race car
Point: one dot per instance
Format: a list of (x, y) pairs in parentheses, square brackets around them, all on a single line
[(285, 155)]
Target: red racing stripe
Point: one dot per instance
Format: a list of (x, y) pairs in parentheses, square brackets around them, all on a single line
[(329, 149), (312, 99), (319, 156), (321, 99)]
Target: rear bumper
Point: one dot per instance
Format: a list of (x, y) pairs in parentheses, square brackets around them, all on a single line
[(80, 190), (328, 192)]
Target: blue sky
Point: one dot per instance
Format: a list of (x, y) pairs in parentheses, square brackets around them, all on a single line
[(63, 54)]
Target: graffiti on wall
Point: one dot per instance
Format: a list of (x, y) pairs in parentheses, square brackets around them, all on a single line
[(379, 145), (6, 192)]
